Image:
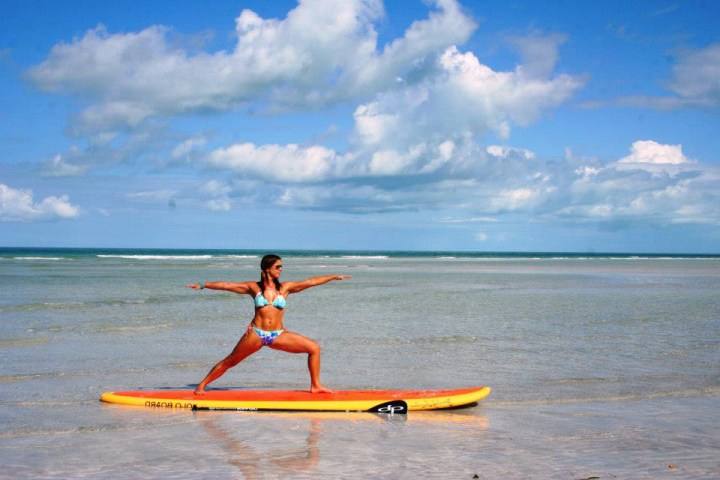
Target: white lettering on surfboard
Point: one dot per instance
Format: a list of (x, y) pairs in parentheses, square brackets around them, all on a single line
[(162, 404)]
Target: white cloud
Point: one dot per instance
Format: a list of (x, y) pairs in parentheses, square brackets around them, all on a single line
[(505, 152), (484, 98), (461, 98), (276, 163), (416, 160), (657, 159), (420, 104), (511, 200), (373, 126), (648, 151), (19, 206), (655, 184), (483, 186), (321, 53)]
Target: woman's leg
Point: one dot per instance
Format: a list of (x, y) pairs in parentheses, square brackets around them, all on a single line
[(248, 344), (293, 343)]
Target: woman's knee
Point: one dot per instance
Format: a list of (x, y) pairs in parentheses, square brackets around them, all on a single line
[(313, 348)]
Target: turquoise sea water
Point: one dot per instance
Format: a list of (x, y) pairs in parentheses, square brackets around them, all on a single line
[(601, 365)]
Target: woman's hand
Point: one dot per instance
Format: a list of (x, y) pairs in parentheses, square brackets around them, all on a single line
[(195, 286)]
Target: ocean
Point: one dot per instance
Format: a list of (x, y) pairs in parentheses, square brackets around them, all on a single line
[(601, 366)]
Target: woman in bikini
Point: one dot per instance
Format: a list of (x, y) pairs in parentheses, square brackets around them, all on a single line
[(266, 328)]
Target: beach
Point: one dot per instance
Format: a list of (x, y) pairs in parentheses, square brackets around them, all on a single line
[(603, 366)]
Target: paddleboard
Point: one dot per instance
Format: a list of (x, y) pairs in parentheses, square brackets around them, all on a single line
[(379, 401)]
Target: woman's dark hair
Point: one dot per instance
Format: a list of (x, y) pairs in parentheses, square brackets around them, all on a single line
[(266, 263)]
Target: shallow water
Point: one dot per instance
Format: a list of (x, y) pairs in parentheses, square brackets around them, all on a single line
[(606, 367)]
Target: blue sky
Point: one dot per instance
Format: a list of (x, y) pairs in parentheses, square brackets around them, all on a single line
[(396, 125)]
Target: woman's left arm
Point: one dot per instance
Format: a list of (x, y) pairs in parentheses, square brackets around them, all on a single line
[(295, 287)]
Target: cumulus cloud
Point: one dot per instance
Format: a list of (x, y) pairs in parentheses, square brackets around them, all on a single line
[(489, 183), (276, 163), (420, 103), (18, 205), (462, 97), (655, 158), (321, 53), (648, 151), (655, 184), (414, 129)]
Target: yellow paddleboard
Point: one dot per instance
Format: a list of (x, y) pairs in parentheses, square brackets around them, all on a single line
[(382, 401)]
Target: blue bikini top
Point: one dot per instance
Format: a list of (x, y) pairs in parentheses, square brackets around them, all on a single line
[(261, 301)]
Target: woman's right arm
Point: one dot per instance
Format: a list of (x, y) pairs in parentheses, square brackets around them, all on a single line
[(241, 288)]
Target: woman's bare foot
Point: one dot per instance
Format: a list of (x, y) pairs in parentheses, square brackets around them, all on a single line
[(320, 389), (199, 391)]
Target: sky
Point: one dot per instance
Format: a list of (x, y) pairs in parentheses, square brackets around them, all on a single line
[(514, 125)]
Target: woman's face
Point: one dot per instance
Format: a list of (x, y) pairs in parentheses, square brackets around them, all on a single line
[(276, 270)]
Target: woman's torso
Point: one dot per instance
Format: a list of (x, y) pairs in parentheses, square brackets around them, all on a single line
[(269, 307)]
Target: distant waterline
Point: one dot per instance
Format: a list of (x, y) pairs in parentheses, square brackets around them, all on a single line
[(58, 254)]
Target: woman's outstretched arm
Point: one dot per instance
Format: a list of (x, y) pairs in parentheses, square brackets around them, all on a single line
[(294, 287), (242, 287)]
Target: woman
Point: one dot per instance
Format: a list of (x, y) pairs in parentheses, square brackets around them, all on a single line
[(266, 328)]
